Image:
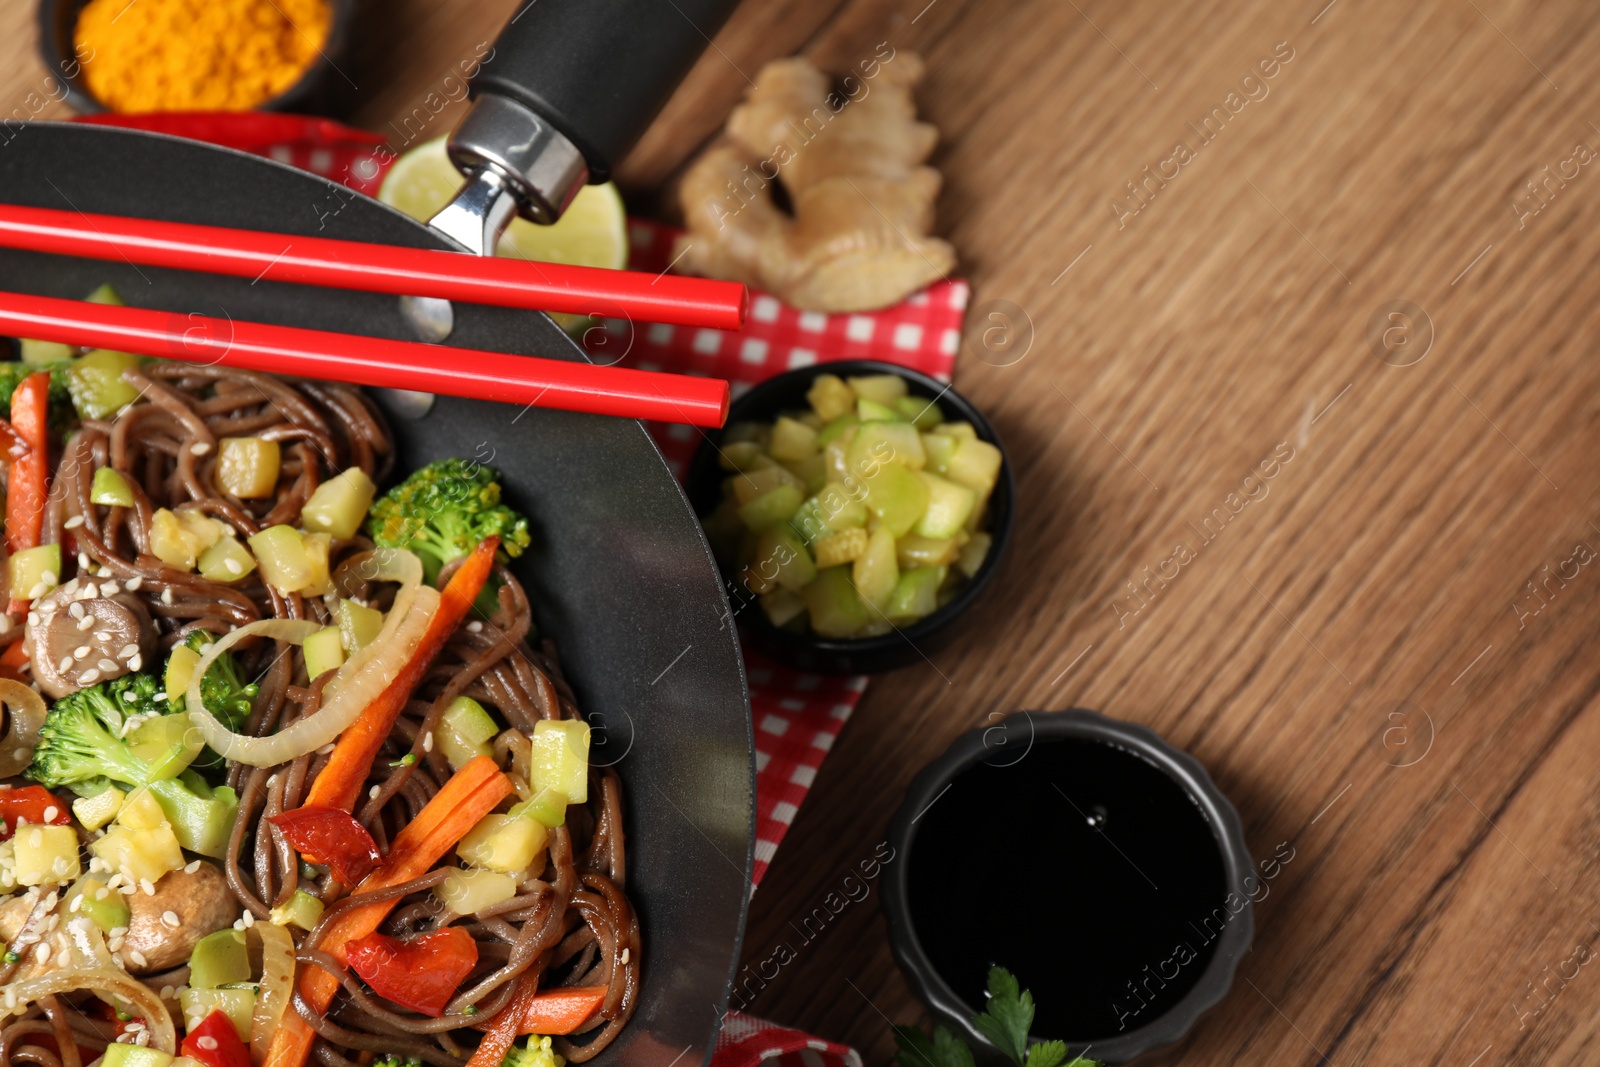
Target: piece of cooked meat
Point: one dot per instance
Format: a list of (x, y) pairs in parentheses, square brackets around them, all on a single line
[(201, 902), (76, 637)]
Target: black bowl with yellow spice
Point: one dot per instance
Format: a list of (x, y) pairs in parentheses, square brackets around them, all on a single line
[(198, 55), (888, 640)]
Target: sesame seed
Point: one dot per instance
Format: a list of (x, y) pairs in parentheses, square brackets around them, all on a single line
[(107, 665), (137, 957), (132, 584), (65, 664), (148, 886), (167, 992), (170, 918), (50, 813), (249, 919), (77, 905), (85, 623), (191, 866), (110, 589), (81, 652), (427, 741), (474, 626), (89, 677), (325, 749), (73, 523), (200, 448), (119, 931), (75, 609), (136, 662), (5, 623), (42, 953), (102, 635), (166, 595), (233, 566), (207, 1042), (49, 578), (38, 591), (127, 650), (84, 562), (101, 893), (36, 839), (373, 792), (626, 955)]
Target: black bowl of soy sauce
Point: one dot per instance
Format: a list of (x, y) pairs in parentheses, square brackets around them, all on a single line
[(1087, 856)]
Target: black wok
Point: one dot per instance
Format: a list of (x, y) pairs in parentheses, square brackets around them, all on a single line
[(619, 573)]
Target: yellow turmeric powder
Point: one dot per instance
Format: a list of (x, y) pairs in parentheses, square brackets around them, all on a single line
[(197, 55)]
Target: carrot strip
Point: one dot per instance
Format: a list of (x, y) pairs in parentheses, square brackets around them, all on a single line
[(561, 1011), (469, 795), (339, 784), (30, 409), (13, 659), (506, 1027), (25, 484)]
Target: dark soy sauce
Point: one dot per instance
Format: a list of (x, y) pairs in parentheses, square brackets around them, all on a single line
[(1084, 870)]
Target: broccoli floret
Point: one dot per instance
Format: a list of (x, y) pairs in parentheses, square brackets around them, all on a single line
[(536, 1053), (443, 510), (62, 413), (391, 1060), (83, 740), (223, 690)]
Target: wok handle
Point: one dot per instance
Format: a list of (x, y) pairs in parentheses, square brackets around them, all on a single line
[(569, 88)]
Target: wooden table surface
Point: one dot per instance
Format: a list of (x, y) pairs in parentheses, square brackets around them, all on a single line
[(1383, 652)]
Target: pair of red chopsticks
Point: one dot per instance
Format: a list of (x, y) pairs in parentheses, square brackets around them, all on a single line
[(373, 361)]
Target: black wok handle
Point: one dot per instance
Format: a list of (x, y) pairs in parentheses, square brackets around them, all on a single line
[(599, 70), (568, 89)]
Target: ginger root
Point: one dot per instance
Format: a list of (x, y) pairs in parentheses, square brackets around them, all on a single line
[(852, 165)]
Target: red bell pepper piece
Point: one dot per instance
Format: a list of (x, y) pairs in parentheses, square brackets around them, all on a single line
[(422, 973), (25, 488), (216, 1043), (471, 793), (333, 837), (32, 804)]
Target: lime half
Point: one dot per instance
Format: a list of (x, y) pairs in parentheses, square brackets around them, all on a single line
[(592, 233)]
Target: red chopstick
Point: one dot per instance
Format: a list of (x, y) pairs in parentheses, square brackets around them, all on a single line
[(631, 295), (547, 383)]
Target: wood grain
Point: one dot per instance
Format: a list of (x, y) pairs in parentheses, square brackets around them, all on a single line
[(1383, 571)]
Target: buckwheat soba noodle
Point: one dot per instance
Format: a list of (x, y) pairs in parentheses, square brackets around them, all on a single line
[(286, 773)]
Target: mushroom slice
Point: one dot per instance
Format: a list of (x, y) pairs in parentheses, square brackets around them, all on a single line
[(198, 901), (74, 643)]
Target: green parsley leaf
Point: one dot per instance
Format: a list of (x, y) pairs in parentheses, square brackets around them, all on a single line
[(944, 1049), (1049, 1054), (1008, 1017)]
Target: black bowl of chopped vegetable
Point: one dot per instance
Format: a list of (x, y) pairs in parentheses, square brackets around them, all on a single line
[(857, 509)]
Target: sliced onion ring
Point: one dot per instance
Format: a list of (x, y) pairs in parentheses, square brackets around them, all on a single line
[(25, 711), (357, 683), (277, 982), (104, 980)]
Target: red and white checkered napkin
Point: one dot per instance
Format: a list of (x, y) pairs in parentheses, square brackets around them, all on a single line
[(797, 715)]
